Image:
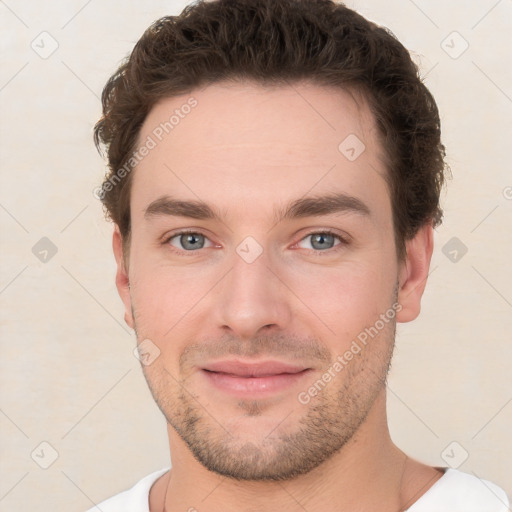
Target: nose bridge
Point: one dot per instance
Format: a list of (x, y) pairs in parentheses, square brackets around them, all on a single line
[(251, 296)]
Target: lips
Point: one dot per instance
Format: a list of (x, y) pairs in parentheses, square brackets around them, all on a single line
[(253, 380), (238, 368)]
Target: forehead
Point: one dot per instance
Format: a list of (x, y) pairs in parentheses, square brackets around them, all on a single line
[(237, 141)]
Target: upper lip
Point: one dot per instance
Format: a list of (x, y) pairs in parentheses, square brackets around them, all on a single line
[(254, 369)]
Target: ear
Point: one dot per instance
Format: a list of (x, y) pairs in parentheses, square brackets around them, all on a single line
[(122, 280), (413, 273)]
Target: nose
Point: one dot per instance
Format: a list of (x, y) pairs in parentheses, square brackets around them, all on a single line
[(252, 299)]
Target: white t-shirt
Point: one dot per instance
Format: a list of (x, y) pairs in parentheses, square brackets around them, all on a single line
[(453, 492)]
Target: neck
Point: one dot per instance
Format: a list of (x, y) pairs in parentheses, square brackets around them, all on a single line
[(368, 473)]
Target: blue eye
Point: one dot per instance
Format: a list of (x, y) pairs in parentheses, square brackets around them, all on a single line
[(322, 241), (189, 241)]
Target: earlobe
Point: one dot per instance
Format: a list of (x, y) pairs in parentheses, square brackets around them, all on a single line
[(413, 273), (122, 279)]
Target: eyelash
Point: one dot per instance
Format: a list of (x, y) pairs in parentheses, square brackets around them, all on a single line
[(343, 241)]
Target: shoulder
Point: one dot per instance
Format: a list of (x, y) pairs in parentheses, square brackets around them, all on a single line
[(135, 499), (456, 491)]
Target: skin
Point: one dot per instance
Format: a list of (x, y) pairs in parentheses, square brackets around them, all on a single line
[(246, 151)]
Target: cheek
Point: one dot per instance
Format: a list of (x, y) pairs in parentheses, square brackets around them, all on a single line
[(347, 298), (162, 299)]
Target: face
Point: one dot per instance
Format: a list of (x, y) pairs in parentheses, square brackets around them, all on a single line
[(262, 255)]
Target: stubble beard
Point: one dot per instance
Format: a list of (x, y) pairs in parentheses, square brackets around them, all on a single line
[(329, 420)]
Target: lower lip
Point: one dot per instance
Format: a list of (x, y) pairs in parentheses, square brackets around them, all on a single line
[(254, 386)]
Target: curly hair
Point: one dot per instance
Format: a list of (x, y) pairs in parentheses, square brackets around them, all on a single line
[(273, 42)]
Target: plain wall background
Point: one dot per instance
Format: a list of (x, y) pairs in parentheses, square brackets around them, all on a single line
[(68, 374)]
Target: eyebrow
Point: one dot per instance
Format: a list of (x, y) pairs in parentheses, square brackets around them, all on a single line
[(312, 206)]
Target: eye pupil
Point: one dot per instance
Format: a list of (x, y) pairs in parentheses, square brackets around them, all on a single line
[(324, 241), (192, 241)]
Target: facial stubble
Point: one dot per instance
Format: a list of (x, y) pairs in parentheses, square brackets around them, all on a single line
[(328, 422)]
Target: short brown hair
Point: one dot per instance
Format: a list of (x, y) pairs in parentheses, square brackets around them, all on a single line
[(277, 42)]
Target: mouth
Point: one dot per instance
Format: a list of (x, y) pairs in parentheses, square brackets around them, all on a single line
[(253, 379)]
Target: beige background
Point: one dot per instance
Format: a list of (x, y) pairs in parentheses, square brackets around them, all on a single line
[(68, 374)]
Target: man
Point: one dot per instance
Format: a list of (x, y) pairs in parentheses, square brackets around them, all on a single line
[(275, 171)]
